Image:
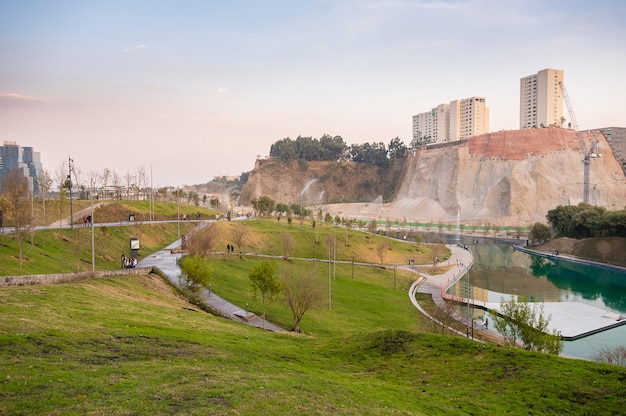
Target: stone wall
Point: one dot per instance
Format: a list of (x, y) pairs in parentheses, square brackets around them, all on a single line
[(39, 279)]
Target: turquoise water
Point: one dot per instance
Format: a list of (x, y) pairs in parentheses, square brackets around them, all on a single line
[(499, 270)]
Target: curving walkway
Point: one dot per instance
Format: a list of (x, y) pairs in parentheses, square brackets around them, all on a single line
[(437, 285), (166, 260)]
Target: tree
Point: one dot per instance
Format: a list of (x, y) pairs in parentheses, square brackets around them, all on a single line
[(519, 321), (264, 205), (201, 241), (540, 232), (15, 195), (397, 149), (381, 251), (239, 234), (287, 241), (611, 355), (264, 282), (196, 272), (301, 291)]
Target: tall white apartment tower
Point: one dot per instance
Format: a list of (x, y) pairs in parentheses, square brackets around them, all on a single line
[(541, 99), (458, 120), (468, 117)]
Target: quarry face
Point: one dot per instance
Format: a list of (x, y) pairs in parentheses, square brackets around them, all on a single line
[(504, 178)]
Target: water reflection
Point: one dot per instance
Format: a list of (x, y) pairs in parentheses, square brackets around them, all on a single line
[(499, 270)]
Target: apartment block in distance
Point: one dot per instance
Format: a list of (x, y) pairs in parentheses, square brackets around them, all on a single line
[(616, 136), (25, 159), (541, 100), (458, 120)]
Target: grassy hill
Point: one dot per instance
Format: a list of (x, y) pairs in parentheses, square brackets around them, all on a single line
[(130, 346)]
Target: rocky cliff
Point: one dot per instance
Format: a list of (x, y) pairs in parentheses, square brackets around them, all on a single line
[(508, 177)]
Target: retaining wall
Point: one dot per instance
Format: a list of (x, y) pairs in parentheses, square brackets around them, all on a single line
[(40, 279)]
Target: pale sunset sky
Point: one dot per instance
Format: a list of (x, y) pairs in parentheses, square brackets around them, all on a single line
[(195, 89)]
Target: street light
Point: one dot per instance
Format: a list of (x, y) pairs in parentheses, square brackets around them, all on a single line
[(69, 177)]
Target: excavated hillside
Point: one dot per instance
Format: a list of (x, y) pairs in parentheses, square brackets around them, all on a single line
[(507, 178), (316, 183)]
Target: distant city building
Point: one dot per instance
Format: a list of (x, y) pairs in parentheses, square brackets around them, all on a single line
[(458, 120), (25, 159), (541, 99), (616, 136)]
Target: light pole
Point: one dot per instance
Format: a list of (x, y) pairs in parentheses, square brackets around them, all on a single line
[(69, 177), (93, 251)]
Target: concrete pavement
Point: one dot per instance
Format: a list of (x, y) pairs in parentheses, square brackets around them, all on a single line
[(166, 260)]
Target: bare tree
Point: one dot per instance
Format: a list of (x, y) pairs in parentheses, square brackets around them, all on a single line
[(141, 179), (301, 291), (15, 195), (611, 355), (287, 241), (45, 184), (239, 234), (381, 251), (128, 180), (116, 181), (60, 177), (93, 181), (105, 177), (201, 241)]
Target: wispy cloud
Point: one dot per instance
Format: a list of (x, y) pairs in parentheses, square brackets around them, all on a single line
[(222, 90), (10, 99), (135, 48)]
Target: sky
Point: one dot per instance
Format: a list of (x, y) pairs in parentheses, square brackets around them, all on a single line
[(189, 90)]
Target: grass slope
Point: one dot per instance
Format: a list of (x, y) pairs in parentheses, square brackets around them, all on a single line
[(128, 346), (69, 250)]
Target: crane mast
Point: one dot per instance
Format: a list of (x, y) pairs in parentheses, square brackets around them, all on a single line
[(587, 155)]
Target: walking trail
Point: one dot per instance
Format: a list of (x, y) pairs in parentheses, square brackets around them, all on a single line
[(167, 261)]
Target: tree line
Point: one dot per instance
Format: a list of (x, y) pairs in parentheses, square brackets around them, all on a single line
[(586, 220), (333, 148)]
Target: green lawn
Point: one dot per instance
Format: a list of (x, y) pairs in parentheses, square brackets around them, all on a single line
[(130, 346)]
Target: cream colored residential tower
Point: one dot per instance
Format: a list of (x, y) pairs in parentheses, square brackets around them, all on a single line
[(541, 99)]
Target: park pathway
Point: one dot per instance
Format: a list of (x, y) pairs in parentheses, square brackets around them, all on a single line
[(166, 260)]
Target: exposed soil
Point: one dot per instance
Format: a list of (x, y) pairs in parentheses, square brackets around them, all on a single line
[(609, 250)]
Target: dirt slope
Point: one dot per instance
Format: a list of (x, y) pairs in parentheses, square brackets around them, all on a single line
[(506, 178)]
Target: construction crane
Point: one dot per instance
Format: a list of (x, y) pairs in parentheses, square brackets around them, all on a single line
[(587, 155)]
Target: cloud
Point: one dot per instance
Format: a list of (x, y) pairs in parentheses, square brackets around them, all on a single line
[(10, 99), (135, 48), (222, 90)]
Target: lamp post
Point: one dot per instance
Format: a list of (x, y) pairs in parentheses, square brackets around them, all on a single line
[(69, 177), (93, 251)]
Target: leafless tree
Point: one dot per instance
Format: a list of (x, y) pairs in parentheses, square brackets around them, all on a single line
[(45, 184), (93, 181), (15, 196), (201, 241), (142, 179), (443, 318), (105, 177), (287, 241), (239, 234), (128, 180), (381, 251), (611, 355), (60, 177), (301, 291), (116, 181)]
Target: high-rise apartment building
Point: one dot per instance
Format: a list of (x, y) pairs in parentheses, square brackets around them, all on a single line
[(24, 159), (458, 120), (541, 99), (616, 136)]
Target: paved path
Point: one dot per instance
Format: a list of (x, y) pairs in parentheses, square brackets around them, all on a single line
[(463, 260), (167, 261)]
